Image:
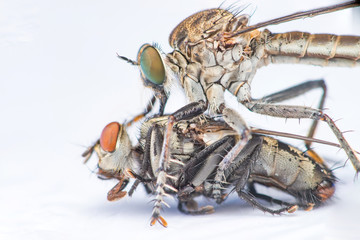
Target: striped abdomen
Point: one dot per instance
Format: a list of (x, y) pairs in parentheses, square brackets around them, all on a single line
[(321, 47)]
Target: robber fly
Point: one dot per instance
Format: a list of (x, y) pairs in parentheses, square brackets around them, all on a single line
[(196, 150), (215, 50)]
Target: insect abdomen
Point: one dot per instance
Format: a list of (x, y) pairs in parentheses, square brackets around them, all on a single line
[(314, 46), (289, 169)]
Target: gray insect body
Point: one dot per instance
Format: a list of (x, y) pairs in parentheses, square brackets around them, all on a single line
[(194, 161), (215, 50), (267, 161), (210, 56), (184, 156), (289, 169)]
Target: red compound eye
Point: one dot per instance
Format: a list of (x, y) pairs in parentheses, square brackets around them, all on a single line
[(109, 136)]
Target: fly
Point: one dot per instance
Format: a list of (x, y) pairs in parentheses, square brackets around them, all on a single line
[(215, 50), (198, 147)]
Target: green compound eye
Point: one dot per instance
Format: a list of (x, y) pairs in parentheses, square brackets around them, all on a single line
[(151, 64)]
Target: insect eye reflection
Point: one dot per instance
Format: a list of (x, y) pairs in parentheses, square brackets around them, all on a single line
[(151, 64)]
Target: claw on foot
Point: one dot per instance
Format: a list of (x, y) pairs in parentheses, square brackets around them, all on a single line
[(310, 206), (292, 208), (160, 219)]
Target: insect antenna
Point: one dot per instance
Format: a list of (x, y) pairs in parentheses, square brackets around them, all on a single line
[(93, 170), (341, 166), (132, 62)]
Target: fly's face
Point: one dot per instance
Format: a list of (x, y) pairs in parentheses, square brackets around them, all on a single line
[(114, 149)]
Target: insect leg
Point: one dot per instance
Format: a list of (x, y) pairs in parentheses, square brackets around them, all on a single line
[(287, 111), (296, 91), (153, 140), (187, 112), (196, 171), (269, 199), (240, 171), (191, 208), (148, 109), (201, 166), (87, 154), (133, 187), (251, 200), (237, 123)]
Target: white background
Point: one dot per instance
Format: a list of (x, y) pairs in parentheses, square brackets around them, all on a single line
[(61, 83)]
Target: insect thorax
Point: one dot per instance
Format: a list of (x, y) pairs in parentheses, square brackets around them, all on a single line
[(205, 51)]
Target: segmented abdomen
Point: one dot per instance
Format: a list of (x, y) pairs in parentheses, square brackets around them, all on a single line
[(289, 169), (321, 46)]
